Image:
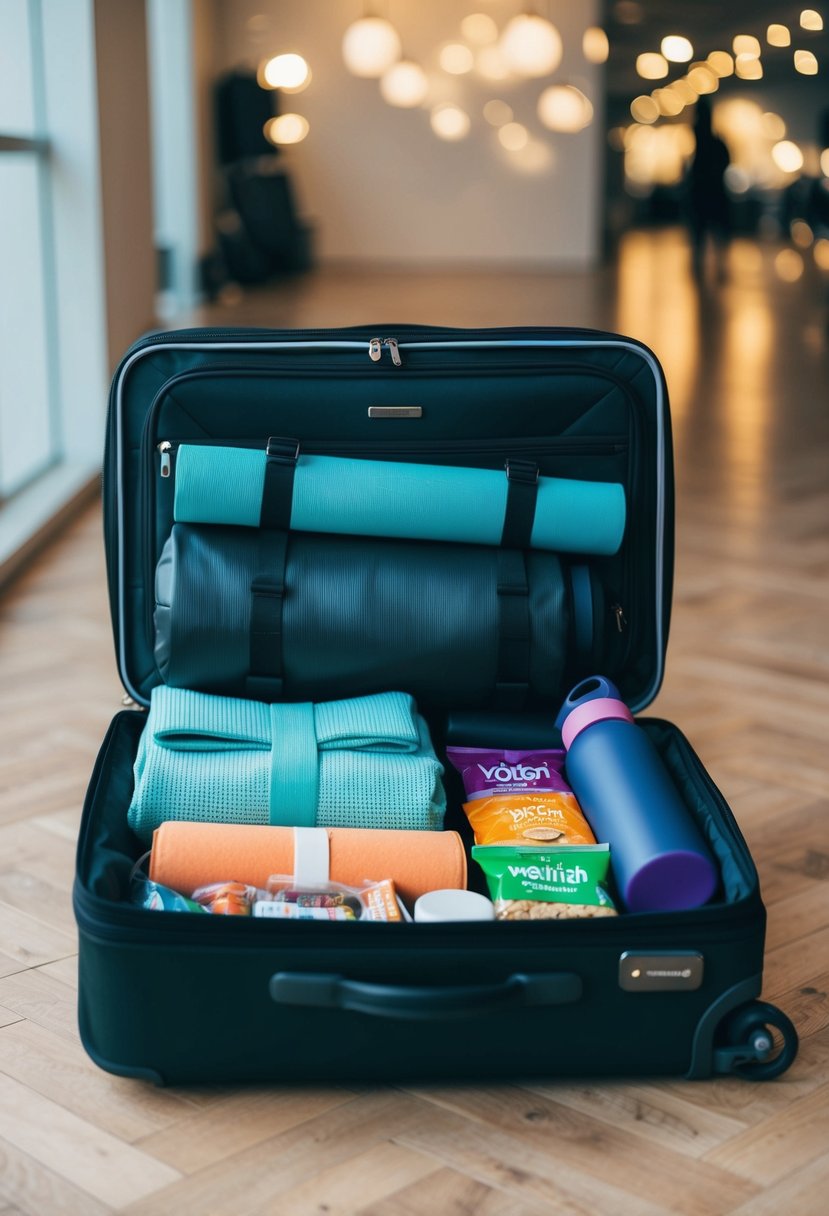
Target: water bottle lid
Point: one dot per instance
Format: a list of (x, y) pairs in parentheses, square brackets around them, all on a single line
[(592, 688), (584, 715)]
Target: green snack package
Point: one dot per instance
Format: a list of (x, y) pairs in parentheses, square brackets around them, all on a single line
[(558, 883)]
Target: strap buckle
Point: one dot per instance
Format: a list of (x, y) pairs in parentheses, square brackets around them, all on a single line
[(525, 471), (285, 451)]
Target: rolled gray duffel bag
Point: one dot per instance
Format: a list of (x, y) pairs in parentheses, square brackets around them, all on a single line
[(307, 617)]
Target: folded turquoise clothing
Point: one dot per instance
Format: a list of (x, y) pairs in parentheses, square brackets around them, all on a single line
[(364, 762), (220, 485)]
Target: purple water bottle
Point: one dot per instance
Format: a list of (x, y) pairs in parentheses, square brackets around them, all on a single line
[(659, 858)]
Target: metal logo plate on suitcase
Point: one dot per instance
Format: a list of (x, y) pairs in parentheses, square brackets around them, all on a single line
[(661, 971)]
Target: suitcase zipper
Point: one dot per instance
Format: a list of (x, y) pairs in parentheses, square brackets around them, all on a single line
[(375, 350), (576, 446)]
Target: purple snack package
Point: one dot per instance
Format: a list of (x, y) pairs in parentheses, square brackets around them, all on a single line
[(487, 771), (519, 797)]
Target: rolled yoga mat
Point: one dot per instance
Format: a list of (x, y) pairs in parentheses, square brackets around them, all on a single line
[(218, 485), (190, 855), (450, 624), (364, 762)]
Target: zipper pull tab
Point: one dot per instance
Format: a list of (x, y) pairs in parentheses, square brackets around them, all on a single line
[(621, 619), (375, 350), (394, 351), (165, 467)]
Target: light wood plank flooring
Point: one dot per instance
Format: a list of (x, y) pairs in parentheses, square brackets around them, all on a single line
[(747, 680)]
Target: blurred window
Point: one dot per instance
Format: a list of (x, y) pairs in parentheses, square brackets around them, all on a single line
[(30, 439)]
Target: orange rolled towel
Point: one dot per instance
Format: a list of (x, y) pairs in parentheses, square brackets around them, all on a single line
[(188, 855)]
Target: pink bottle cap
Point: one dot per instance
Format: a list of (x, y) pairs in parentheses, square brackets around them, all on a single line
[(584, 715)]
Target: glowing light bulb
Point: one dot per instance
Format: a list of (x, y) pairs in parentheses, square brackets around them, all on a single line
[(531, 45), (778, 35), (450, 122), (563, 107), (404, 84), (651, 66), (287, 129), (513, 136), (789, 265), (479, 29), (746, 44), (676, 48), (287, 72), (721, 63), (497, 113), (644, 109), (748, 67), (805, 63), (685, 91), (703, 80), (456, 58), (787, 156), (801, 233), (670, 103), (594, 45), (370, 45)]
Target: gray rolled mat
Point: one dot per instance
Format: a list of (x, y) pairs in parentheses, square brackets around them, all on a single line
[(452, 625)]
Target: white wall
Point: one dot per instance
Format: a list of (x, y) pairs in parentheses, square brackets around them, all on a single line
[(377, 182)]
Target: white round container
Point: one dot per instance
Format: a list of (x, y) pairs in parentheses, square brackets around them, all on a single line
[(453, 905)]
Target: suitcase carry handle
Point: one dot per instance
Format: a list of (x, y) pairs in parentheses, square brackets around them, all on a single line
[(423, 1003)]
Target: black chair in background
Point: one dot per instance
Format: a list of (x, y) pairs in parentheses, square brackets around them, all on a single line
[(260, 231)]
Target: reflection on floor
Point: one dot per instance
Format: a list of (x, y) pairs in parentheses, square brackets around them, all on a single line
[(747, 679)]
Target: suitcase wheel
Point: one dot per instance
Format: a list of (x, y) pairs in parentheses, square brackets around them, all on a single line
[(752, 1049)]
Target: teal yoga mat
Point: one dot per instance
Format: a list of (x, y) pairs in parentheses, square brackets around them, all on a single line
[(364, 762), (219, 485)]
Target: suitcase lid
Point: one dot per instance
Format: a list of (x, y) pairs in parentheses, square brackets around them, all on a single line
[(582, 390)]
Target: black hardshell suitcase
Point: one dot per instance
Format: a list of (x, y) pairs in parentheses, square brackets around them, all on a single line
[(176, 998)]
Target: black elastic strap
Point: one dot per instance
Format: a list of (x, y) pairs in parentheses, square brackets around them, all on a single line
[(513, 672), (519, 513), (278, 490), (264, 681)]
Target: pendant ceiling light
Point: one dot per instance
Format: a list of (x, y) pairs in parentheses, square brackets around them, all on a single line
[(531, 45), (404, 84), (370, 46), (290, 73), (450, 122), (563, 107)]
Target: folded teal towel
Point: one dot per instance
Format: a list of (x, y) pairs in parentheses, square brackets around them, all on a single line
[(365, 762)]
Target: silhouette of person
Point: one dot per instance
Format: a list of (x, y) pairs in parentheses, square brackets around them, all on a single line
[(708, 204)]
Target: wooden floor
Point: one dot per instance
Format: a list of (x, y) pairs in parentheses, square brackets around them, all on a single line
[(747, 679)]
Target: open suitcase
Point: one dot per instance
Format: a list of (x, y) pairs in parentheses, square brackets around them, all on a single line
[(177, 998)]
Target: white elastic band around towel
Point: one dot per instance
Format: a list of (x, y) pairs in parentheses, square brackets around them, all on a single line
[(311, 857)]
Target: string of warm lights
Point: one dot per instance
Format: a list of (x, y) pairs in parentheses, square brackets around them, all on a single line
[(657, 154), (529, 47)]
